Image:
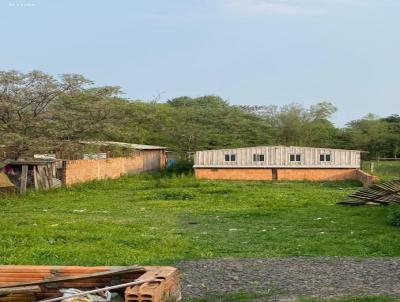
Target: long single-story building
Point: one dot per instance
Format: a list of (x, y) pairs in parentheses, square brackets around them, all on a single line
[(278, 163)]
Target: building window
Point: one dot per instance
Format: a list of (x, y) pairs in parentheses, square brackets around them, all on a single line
[(258, 157), (295, 157), (230, 157), (324, 157)]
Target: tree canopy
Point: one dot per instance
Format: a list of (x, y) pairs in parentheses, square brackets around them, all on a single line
[(39, 111)]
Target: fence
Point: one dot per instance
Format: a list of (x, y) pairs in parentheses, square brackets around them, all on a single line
[(387, 169)]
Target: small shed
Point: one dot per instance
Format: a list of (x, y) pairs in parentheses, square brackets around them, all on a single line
[(35, 174)]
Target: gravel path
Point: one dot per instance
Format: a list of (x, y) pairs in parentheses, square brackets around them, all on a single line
[(322, 277)]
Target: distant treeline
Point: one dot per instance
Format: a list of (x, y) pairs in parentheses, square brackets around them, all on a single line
[(39, 111)]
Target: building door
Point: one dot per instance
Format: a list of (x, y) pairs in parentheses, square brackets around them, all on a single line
[(151, 161)]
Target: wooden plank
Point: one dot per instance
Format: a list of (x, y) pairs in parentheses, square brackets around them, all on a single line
[(112, 272), (35, 176), (49, 173), (20, 290), (106, 288), (42, 177), (279, 156), (24, 179)]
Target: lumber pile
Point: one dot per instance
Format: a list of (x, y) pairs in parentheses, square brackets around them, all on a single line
[(382, 193), (21, 283)]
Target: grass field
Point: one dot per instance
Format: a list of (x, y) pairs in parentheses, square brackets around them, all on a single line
[(150, 219), (385, 170)]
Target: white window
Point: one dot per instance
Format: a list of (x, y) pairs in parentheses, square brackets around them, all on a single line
[(295, 157), (230, 157), (325, 157), (258, 157)]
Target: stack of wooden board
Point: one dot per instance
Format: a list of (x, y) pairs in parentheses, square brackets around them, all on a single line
[(21, 283), (382, 193)]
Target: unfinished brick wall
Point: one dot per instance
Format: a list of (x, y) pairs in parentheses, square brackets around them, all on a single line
[(234, 174)]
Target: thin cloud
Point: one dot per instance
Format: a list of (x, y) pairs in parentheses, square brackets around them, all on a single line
[(265, 7)]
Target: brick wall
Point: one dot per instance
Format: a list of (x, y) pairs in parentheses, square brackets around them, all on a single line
[(316, 174), (77, 171), (282, 174), (234, 174), (366, 178), (286, 174)]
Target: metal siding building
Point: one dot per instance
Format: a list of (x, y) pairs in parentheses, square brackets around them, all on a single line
[(279, 162)]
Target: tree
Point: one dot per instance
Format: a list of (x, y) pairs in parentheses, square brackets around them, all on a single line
[(393, 136), (91, 114), (25, 98), (39, 112), (294, 124), (369, 134)]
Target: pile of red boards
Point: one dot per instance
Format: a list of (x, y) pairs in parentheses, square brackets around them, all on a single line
[(26, 283)]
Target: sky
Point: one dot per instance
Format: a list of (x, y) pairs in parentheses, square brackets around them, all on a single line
[(255, 52)]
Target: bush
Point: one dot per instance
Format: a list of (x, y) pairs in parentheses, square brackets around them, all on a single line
[(181, 167), (394, 214), (173, 195)]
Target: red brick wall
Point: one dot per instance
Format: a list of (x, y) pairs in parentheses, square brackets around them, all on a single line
[(282, 174), (83, 170), (316, 174), (234, 174), (366, 178)]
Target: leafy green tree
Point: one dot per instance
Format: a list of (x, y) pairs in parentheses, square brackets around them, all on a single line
[(25, 98), (294, 124), (368, 134), (393, 137), (39, 112)]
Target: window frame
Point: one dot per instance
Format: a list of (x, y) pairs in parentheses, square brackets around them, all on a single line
[(296, 157), (258, 157), (230, 156), (323, 158)]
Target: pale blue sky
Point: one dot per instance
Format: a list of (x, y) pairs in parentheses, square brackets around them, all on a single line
[(247, 51)]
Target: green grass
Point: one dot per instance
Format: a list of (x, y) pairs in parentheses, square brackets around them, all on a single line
[(385, 170), (149, 219)]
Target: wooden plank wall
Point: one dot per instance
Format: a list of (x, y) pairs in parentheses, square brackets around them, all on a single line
[(279, 156)]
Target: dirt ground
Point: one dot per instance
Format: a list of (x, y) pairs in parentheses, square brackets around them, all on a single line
[(286, 278)]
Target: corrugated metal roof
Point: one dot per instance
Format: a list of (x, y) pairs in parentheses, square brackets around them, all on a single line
[(283, 146), (121, 144)]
